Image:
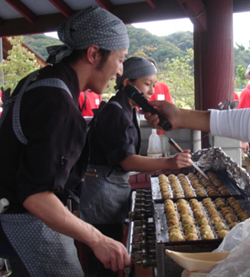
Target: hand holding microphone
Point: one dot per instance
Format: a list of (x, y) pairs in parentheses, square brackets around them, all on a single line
[(134, 94)]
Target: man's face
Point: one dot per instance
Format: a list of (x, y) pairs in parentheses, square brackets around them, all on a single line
[(112, 68)]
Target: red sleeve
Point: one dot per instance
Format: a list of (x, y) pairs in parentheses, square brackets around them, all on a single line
[(244, 99)]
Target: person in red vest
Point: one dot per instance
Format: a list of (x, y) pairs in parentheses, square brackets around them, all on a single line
[(161, 92), (244, 102), (89, 100)]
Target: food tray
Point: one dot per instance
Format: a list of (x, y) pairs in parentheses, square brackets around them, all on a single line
[(222, 175), (162, 227)]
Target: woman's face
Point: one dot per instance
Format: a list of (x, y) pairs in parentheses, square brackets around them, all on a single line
[(146, 85)]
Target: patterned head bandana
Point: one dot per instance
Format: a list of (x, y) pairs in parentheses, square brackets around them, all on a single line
[(91, 26), (135, 68)]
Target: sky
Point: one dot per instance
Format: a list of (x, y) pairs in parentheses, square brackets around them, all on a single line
[(167, 27)]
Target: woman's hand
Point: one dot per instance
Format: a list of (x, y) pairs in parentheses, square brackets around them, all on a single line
[(181, 160)]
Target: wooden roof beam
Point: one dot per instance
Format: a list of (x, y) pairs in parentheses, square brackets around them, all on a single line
[(196, 11), (62, 7), (23, 10), (105, 4), (151, 4)]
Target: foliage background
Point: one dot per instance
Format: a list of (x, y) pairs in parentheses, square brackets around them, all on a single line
[(173, 54)]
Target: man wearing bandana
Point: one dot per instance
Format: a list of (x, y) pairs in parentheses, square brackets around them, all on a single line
[(42, 151)]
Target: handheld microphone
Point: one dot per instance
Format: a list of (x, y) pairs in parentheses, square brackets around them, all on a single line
[(134, 94)]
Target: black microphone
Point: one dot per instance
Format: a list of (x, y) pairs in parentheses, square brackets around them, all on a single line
[(134, 94)]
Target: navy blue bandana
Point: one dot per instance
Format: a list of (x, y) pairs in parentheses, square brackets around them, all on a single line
[(135, 68), (91, 26)]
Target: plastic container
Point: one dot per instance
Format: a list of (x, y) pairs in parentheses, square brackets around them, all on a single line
[(164, 143), (154, 145)]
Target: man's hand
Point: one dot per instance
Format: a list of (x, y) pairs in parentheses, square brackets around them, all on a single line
[(167, 109), (112, 254)]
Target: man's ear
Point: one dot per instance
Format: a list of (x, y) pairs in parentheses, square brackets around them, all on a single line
[(93, 55)]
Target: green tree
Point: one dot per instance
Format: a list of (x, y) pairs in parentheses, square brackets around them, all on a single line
[(240, 80), (180, 78), (19, 63)]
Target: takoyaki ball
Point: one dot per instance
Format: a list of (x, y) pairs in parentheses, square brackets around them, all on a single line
[(231, 225), (187, 219), (212, 192), (164, 186), (173, 214), (201, 221), (224, 191), (212, 211), (174, 220), (216, 183), (230, 218), (193, 202), (226, 210), (182, 207), (235, 205), (169, 209), (175, 236), (220, 204), (205, 228), (222, 233), (230, 200), (174, 228), (243, 216), (219, 199), (166, 194), (200, 192), (220, 226), (191, 236), (178, 194), (215, 219), (168, 202), (195, 183), (189, 228), (162, 176), (208, 235), (238, 210), (181, 202), (184, 212), (198, 213), (172, 177), (189, 193), (209, 205)]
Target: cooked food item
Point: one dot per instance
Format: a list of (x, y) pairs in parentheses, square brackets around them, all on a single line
[(243, 216), (175, 236), (222, 233), (226, 210), (220, 204), (201, 221), (231, 225), (238, 210), (191, 236), (220, 226), (187, 219), (230, 218), (166, 194), (208, 235), (231, 200), (168, 202), (169, 209), (215, 219), (205, 228), (174, 228)]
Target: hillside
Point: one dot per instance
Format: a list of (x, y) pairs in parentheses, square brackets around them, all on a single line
[(160, 48)]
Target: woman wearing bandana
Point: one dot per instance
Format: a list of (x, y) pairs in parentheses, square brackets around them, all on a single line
[(114, 139), (42, 150)]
